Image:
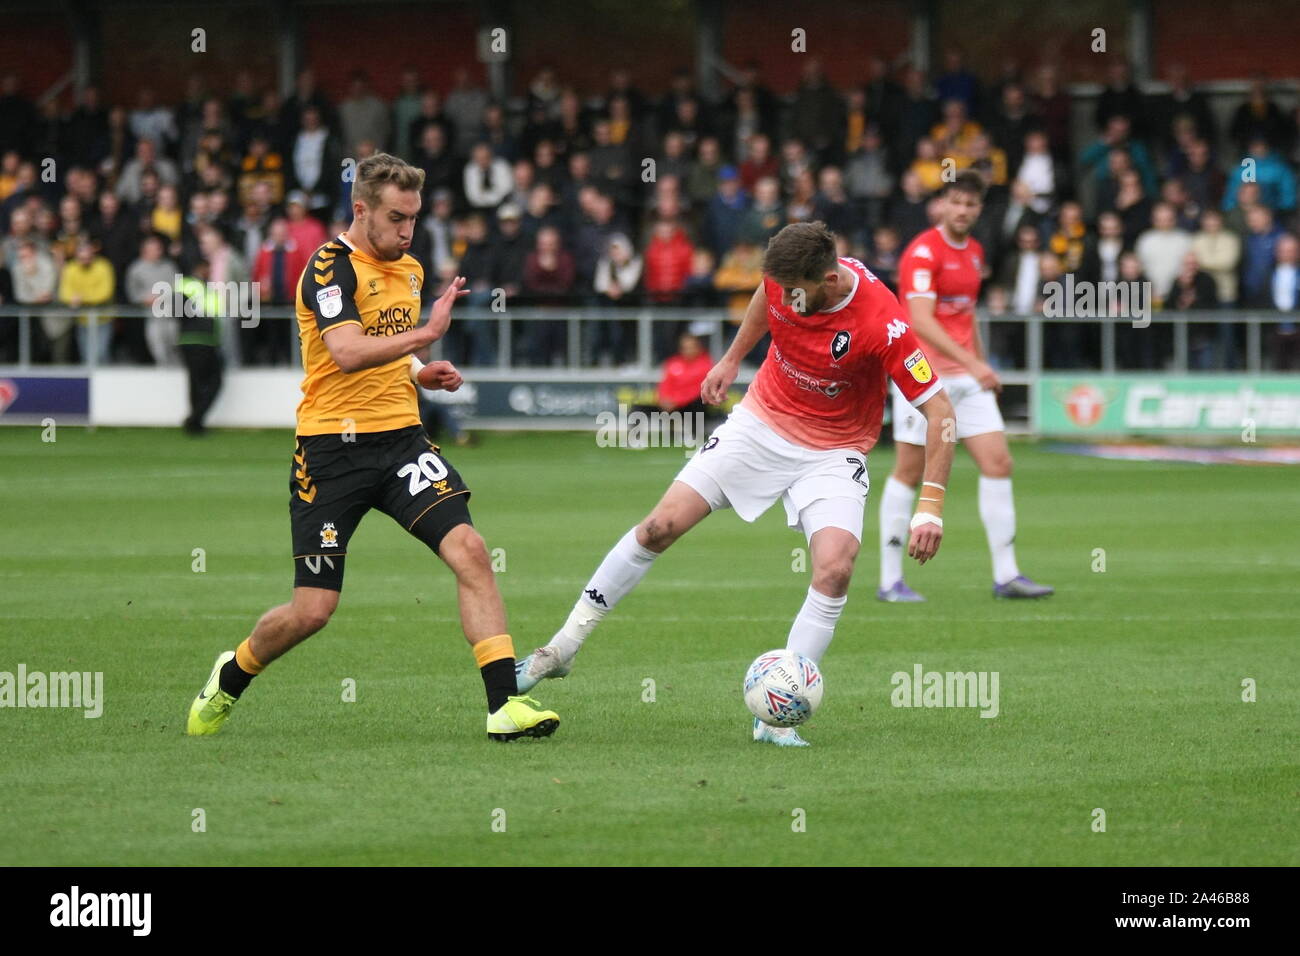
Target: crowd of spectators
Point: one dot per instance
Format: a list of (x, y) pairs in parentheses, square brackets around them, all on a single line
[(627, 197)]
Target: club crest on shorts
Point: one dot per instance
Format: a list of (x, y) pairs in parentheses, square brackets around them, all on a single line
[(840, 344), (329, 537), (920, 368)]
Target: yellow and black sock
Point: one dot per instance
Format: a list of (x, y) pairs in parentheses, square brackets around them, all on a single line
[(496, 662), (239, 670)]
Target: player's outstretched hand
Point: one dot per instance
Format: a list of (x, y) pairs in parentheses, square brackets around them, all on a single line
[(714, 388), (924, 543), (440, 314), (440, 375), (987, 378)]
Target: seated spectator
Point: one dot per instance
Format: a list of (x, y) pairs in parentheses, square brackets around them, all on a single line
[(487, 179), (1258, 118), (261, 164), (1116, 135), (1021, 271), (1102, 252), (88, 281), (1132, 205), (35, 281), (1162, 250), (618, 275), (1258, 256), (759, 162), (1038, 171), (362, 116), (146, 160), (683, 375), (667, 261), (1284, 286), (1069, 238), (929, 164), (907, 213), (279, 265), (955, 133), (317, 161), (1276, 180), (701, 182), (739, 273), (1187, 215), (166, 215), (1218, 252), (802, 204), (1193, 288), (726, 212), (987, 160), (305, 230), (765, 216), (509, 251), (1136, 348), (869, 180), (153, 270), (71, 228), (884, 256), (477, 337), (549, 275), (832, 205), (1203, 180)]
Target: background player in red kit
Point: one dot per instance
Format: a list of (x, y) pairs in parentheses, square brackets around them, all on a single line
[(801, 434), (939, 280)]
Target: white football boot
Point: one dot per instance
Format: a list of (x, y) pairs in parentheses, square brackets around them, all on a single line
[(540, 664), (781, 736)]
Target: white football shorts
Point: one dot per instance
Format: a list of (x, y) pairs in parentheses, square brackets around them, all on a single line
[(747, 466), (976, 409)]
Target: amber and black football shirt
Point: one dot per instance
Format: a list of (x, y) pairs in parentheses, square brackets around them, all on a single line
[(343, 285)]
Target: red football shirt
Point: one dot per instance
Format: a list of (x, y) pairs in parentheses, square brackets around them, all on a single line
[(934, 268), (824, 380)]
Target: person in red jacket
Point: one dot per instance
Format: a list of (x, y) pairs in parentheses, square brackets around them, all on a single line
[(306, 230), (667, 261), (684, 373), (279, 263)]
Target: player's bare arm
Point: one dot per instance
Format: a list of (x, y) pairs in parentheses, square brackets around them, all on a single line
[(932, 332), (927, 524), (354, 351), (752, 330)]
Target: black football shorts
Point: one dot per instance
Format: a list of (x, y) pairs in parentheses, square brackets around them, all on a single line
[(335, 479)]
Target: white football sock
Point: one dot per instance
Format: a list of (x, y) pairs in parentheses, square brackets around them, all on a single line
[(895, 516), (998, 512), (814, 625), (621, 571)]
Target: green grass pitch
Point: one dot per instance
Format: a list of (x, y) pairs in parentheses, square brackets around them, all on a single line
[(1123, 692)]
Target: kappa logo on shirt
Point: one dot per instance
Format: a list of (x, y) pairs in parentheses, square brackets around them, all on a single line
[(895, 330)]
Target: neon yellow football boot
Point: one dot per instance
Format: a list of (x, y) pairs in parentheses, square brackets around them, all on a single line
[(211, 708), (516, 719)]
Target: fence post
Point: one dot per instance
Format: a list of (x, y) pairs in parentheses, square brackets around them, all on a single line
[(1108, 345), (1254, 346), (644, 344), (1180, 345)]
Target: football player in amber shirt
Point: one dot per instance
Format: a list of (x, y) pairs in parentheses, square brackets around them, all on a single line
[(361, 446)]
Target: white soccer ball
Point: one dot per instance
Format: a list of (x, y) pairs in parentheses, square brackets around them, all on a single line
[(783, 688)]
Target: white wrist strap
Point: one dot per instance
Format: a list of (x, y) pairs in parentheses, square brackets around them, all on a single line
[(924, 517)]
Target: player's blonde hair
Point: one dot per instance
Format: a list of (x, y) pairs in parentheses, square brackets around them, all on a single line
[(377, 171), (801, 252)]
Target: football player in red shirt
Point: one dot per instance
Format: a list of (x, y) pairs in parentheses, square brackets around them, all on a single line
[(800, 435), (939, 280)]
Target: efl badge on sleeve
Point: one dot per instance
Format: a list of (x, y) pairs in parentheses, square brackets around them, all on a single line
[(918, 366), (330, 300)]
